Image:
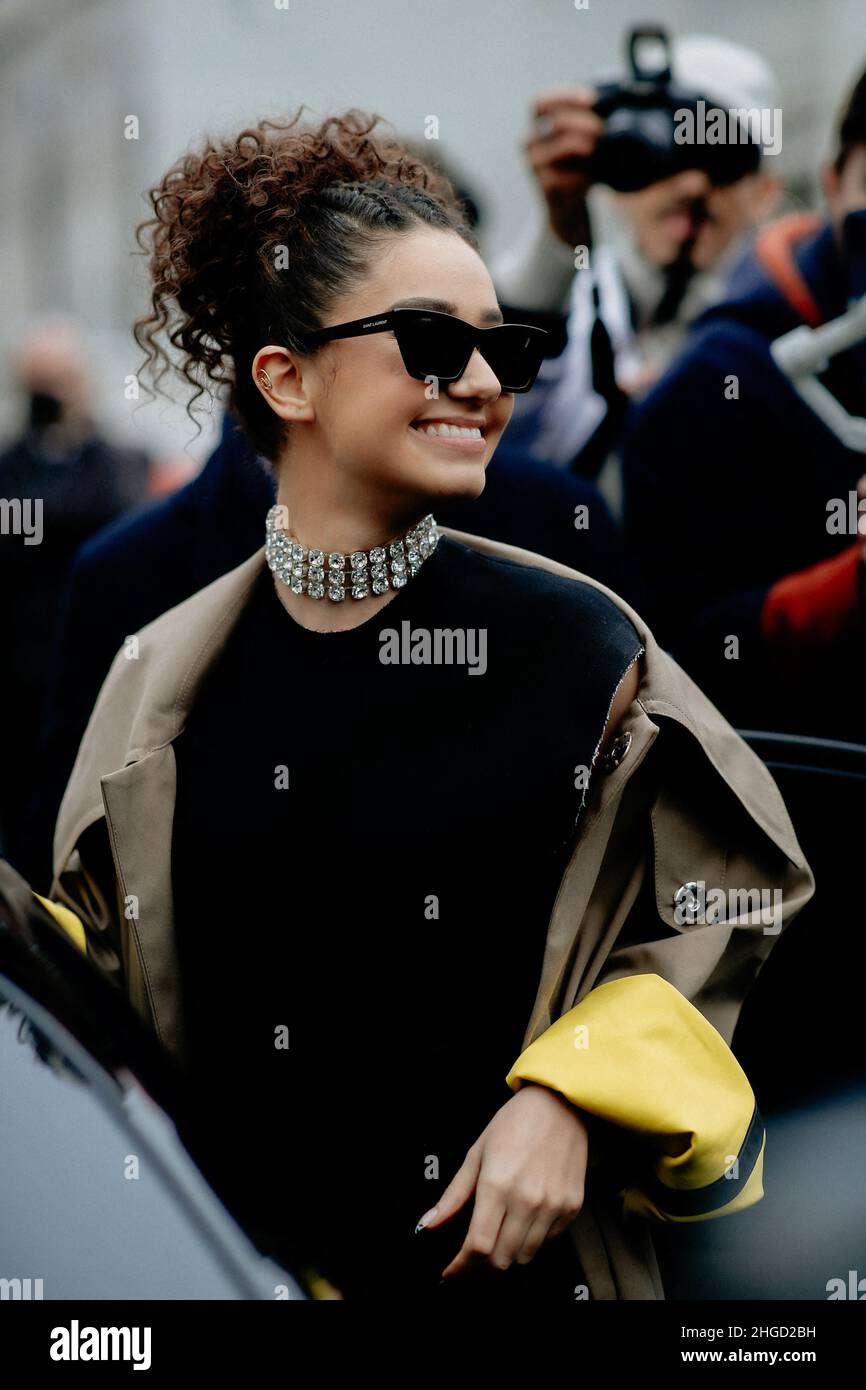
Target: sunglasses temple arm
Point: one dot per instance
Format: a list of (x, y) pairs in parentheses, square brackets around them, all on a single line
[(356, 329)]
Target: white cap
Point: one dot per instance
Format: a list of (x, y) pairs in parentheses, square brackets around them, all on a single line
[(725, 73)]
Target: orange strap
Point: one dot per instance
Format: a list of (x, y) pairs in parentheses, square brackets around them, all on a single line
[(774, 249)]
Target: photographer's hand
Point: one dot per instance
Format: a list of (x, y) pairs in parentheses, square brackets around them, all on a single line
[(527, 1170), (562, 141)]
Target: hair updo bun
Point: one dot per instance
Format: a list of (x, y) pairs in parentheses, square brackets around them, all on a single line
[(253, 237)]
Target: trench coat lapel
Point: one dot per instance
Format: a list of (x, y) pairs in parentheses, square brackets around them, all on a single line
[(128, 776), (141, 844)]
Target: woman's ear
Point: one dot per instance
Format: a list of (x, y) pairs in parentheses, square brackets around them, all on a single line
[(278, 376)]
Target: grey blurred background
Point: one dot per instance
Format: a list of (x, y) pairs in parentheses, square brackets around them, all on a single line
[(71, 71)]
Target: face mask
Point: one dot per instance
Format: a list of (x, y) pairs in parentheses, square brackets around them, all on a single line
[(44, 409)]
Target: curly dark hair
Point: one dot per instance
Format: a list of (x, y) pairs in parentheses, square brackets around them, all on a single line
[(253, 237)]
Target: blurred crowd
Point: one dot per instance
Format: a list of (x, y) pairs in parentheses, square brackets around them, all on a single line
[(665, 449)]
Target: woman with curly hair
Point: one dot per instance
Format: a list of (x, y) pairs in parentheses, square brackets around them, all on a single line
[(358, 827)]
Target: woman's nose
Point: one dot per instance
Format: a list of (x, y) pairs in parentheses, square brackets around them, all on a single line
[(479, 379)]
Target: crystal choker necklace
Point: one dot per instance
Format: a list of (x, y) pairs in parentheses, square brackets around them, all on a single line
[(318, 573)]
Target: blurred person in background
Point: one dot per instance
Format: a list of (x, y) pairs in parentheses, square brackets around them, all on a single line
[(61, 481), (735, 487), (655, 256)]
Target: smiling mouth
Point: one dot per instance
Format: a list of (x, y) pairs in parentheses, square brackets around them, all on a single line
[(442, 428), (464, 438)]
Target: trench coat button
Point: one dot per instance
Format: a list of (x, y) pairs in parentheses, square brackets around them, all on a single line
[(688, 893), (617, 751)]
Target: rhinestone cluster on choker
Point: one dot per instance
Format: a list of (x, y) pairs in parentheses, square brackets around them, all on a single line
[(328, 574)]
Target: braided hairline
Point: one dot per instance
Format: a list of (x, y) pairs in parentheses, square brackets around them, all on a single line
[(367, 188)]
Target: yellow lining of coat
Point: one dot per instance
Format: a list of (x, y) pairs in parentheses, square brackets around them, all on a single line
[(65, 918), (637, 1202), (636, 1053)]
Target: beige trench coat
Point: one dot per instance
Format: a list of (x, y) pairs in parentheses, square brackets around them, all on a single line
[(704, 810)]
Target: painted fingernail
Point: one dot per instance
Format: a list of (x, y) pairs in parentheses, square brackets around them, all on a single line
[(428, 1216)]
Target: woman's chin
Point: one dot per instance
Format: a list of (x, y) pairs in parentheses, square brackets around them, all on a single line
[(466, 480), (454, 478)]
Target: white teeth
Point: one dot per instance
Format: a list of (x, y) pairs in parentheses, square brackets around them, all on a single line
[(456, 431)]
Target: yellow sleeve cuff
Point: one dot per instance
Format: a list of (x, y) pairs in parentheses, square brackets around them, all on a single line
[(636, 1053), (65, 918)]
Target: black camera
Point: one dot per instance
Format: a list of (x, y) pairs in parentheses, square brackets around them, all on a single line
[(644, 123)]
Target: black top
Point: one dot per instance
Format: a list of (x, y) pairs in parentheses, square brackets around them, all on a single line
[(366, 854)]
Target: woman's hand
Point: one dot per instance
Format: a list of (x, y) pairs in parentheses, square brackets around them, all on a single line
[(527, 1170)]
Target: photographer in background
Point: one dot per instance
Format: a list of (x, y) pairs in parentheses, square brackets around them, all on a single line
[(732, 481), (661, 237)]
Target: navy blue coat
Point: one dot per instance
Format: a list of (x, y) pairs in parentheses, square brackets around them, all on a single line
[(723, 497)]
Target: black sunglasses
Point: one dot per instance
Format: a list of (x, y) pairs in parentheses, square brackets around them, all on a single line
[(440, 345)]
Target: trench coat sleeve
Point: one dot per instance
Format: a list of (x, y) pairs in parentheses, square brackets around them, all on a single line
[(725, 873), (635, 1053), (663, 986)]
